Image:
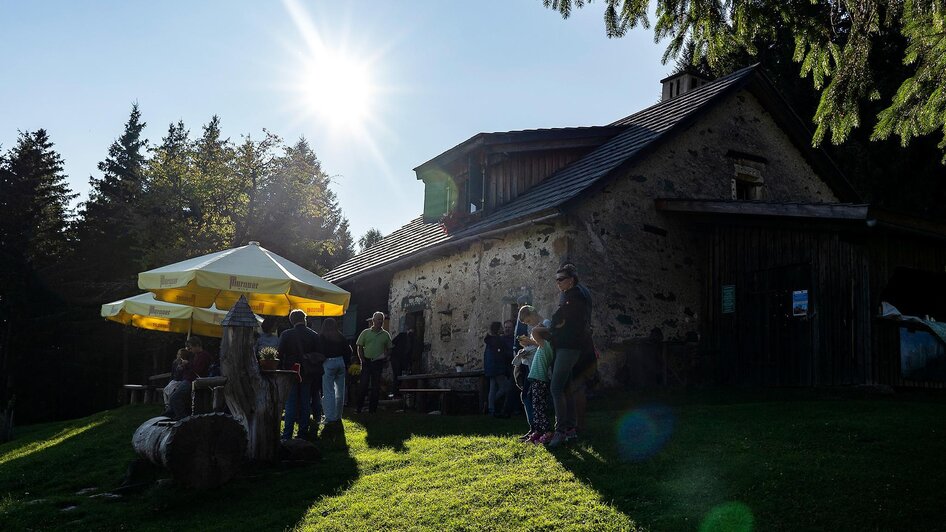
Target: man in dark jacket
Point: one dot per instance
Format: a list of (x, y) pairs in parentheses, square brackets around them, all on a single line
[(293, 344)]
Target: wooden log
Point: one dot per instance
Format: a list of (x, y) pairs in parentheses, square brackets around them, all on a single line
[(202, 451), (254, 397)]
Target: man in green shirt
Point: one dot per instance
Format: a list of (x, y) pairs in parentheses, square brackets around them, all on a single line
[(374, 344)]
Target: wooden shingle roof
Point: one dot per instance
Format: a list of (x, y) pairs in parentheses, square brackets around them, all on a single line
[(641, 132), (407, 240)]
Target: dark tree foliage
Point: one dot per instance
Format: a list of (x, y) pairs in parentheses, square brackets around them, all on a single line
[(168, 205), (844, 46), (107, 224), (181, 198), (34, 241)]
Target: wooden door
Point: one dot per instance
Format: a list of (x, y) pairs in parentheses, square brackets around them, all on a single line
[(776, 346)]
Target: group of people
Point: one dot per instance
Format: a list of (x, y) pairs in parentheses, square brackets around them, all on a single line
[(321, 359), (549, 360), (551, 365), (191, 362)]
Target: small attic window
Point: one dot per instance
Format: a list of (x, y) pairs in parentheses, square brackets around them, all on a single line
[(747, 183), (748, 179)]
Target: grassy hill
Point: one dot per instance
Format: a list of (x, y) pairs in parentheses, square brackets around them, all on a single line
[(658, 462)]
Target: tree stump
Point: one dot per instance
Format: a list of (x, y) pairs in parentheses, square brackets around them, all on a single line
[(254, 397), (202, 451)]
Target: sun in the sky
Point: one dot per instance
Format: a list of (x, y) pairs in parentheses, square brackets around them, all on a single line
[(337, 88), (331, 83)]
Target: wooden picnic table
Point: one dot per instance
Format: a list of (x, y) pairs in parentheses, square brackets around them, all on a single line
[(422, 386)]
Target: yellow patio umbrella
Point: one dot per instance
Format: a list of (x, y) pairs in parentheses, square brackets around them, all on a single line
[(146, 312), (272, 284)]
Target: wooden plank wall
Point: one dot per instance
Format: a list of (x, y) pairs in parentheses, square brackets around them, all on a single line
[(509, 177), (838, 348)]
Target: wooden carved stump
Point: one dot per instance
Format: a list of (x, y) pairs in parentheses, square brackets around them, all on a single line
[(202, 451), (254, 397)]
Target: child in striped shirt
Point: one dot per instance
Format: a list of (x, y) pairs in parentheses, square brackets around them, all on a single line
[(539, 375)]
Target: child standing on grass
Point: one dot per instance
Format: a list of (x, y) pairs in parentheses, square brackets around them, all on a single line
[(539, 377)]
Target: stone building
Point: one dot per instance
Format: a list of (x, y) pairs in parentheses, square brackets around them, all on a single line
[(502, 212)]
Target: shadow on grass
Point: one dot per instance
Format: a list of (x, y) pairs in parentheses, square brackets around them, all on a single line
[(40, 483), (764, 461), (264, 497)]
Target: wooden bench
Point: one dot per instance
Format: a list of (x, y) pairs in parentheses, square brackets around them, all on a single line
[(138, 393), (158, 382), (442, 392)]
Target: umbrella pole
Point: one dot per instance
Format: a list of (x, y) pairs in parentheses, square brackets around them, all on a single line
[(189, 325)]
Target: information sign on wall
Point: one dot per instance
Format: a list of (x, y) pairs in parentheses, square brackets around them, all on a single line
[(800, 303), (729, 298)]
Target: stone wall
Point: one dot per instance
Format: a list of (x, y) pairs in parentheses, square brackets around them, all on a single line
[(645, 269), (462, 293)]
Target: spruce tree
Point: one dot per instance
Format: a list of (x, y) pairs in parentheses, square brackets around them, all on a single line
[(109, 218), (167, 202), (34, 241)]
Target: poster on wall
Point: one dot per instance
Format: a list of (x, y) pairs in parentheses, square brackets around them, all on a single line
[(729, 298), (800, 303)]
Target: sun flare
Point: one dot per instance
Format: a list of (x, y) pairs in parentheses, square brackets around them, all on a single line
[(332, 80), (338, 89)]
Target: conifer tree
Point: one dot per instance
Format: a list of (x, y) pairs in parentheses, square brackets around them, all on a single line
[(107, 227), (254, 164), (34, 240), (167, 203), (370, 238)]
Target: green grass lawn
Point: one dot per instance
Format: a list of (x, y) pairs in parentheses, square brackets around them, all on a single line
[(657, 462)]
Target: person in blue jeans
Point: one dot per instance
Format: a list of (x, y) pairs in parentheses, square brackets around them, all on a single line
[(337, 353), (570, 333), (292, 344)]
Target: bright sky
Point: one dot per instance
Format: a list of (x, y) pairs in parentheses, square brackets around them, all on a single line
[(420, 77)]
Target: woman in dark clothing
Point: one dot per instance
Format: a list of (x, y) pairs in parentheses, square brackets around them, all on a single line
[(337, 353), (569, 336)]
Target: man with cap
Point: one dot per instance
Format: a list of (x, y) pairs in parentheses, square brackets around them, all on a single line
[(374, 344)]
